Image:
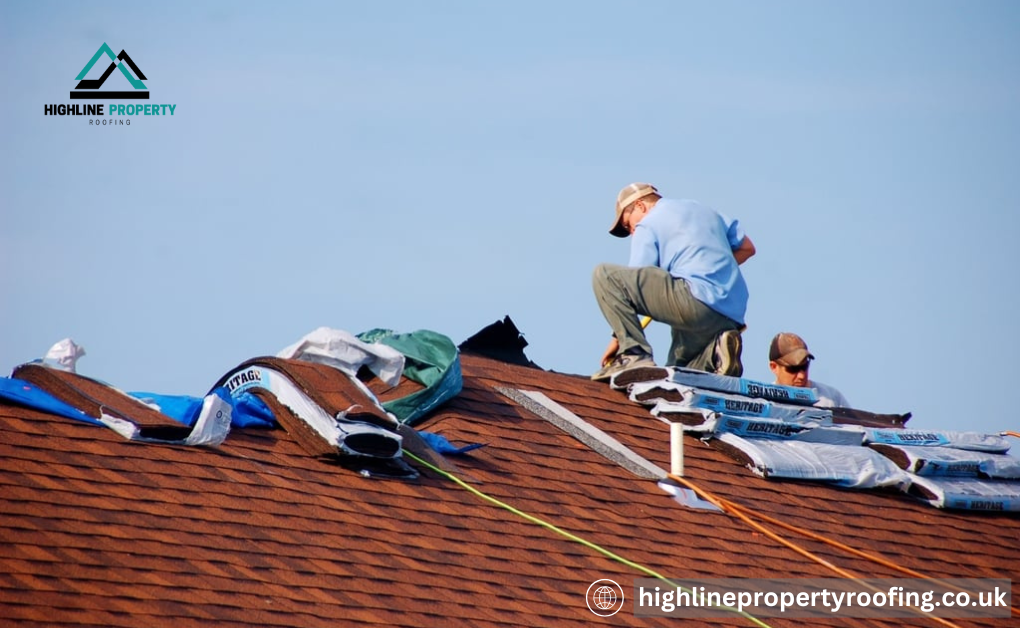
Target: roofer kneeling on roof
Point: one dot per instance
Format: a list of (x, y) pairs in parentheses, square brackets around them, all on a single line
[(683, 271), (790, 360)]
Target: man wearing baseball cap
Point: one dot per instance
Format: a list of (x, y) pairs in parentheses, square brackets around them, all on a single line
[(683, 271), (789, 360)]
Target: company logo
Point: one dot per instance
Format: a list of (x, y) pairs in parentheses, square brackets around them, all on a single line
[(89, 88), (604, 597), (111, 113)]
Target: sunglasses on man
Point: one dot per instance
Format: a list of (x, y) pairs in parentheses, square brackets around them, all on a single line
[(800, 368)]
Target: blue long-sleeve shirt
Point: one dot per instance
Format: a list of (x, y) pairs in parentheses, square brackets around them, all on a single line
[(696, 243)]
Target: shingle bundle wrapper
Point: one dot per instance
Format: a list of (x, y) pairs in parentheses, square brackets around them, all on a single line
[(968, 493), (327, 411), (851, 467), (952, 462)]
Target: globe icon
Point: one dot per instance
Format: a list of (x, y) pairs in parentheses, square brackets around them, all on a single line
[(604, 598)]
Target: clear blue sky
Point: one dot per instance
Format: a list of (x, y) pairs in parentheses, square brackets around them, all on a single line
[(442, 164)]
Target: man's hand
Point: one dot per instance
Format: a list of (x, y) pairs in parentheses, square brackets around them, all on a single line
[(744, 252), (611, 351)]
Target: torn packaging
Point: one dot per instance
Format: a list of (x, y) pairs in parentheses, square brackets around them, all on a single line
[(129, 416), (326, 411), (345, 351)]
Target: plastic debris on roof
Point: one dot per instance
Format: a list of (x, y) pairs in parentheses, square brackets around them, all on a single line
[(345, 351), (64, 355)]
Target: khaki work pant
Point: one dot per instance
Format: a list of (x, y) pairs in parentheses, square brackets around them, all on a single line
[(624, 294)]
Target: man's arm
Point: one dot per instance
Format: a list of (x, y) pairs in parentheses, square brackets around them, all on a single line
[(644, 250), (611, 351), (744, 252)]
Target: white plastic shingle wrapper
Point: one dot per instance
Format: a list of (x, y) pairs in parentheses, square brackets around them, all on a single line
[(970, 493), (948, 461), (972, 441), (707, 424), (774, 429), (127, 429), (639, 389), (343, 350), (851, 467), (213, 423), (735, 405), (211, 427), (64, 355), (745, 387)]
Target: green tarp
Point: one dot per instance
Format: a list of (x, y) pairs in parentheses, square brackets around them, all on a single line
[(432, 360)]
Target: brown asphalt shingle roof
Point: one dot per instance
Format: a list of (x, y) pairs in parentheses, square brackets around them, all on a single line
[(96, 530)]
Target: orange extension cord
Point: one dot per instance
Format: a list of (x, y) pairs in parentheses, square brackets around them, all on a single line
[(743, 513)]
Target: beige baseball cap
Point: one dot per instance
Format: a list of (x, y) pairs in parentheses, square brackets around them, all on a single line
[(789, 350), (628, 195)]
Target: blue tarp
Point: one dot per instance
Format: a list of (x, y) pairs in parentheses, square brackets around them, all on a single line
[(247, 411), (31, 396)]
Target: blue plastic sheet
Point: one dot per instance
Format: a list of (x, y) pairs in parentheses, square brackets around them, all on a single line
[(31, 396), (441, 444), (247, 410)]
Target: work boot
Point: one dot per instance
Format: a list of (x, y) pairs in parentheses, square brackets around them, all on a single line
[(727, 354), (623, 362)]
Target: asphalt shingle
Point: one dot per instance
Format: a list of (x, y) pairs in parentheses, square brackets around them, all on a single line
[(98, 530)]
